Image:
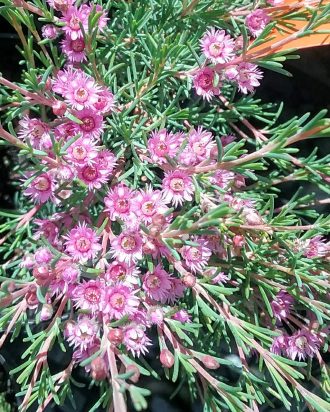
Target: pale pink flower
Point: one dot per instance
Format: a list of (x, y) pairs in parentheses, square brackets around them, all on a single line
[(47, 229), (119, 202), (82, 243), (82, 92), (157, 284), (198, 148), (121, 272), (106, 160), (182, 316), (222, 178), (127, 247), (302, 344), (49, 31), (92, 123), (43, 255), (217, 46), (35, 132), (156, 315), (196, 257), (177, 187), (105, 101), (41, 189), (66, 274), (148, 203), (247, 77), (83, 333), (120, 301), (282, 305), (63, 78), (216, 276), (163, 143), (83, 151), (75, 50), (176, 291), (206, 83), (73, 17), (316, 247), (89, 295), (257, 21), (136, 340)]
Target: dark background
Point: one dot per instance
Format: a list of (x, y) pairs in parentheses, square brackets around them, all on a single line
[(307, 91)]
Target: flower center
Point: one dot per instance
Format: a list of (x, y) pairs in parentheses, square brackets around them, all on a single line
[(81, 95), (195, 253), (117, 271), (88, 124), (117, 300), (153, 282), (148, 208), (301, 342), (41, 183), (38, 131), (89, 173), (92, 294), (83, 244), (177, 184), (78, 45), (205, 81), (74, 23), (216, 49), (122, 205), (199, 148), (79, 152), (161, 149), (128, 243)]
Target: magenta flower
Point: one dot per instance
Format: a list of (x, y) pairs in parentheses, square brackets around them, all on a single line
[(177, 187), (92, 123), (120, 202), (66, 276), (217, 46), (82, 243), (198, 148), (35, 132), (73, 17), (127, 247), (247, 77), (182, 316), (120, 301), (196, 257), (206, 83), (128, 275), (106, 160), (83, 151), (157, 284), (148, 203), (41, 189), (89, 295), (280, 345), (176, 291), (49, 31), (302, 344), (48, 229), (93, 176), (162, 144), (82, 92), (136, 340), (282, 305), (75, 50), (63, 79), (257, 21)]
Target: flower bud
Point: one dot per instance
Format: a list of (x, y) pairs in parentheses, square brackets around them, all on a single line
[(98, 369), (42, 275), (149, 248), (238, 241), (115, 336), (59, 108), (46, 312), (210, 362), (31, 298), (189, 280), (136, 375), (166, 358), (159, 220)]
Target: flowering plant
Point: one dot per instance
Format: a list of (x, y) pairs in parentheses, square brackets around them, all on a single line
[(147, 216)]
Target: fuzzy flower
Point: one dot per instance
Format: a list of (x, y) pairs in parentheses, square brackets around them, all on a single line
[(257, 21), (106, 160), (63, 78), (182, 316), (217, 46), (280, 345), (302, 344), (89, 295), (177, 187), (148, 203), (222, 178), (206, 83), (35, 132), (72, 18), (82, 92), (156, 315), (247, 76), (176, 291), (66, 274), (157, 284), (49, 31), (127, 275), (105, 101), (120, 301), (119, 202), (198, 148), (83, 333), (83, 151), (136, 340), (47, 229), (61, 5), (127, 247), (196, 257), (94, 176), (82, 243), (75, 50), (281, 305), (43, 256), (92, 123), (161, 144), (41, 189), (316, 247)]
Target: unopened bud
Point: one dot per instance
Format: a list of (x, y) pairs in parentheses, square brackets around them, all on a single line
[(115, 336), (166, 358), (46, 312), (98, 369), (210, 362), (59, 108), (238, 241), (42, 275), (189, 280), (136, 375)]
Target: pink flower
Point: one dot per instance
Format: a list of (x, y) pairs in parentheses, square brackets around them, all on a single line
[(92, 123), (157, 284), (41, 189), (136, 340), (49, 31), (102, 21), (127, 247), (198, 148), (156, 315), (227, 139), (217, 46), (280, 345), (75, 50), (182, 316), (303, 343), (83, 151), (127, 275), (216, 276), (83, 334), (247, 77), (162, 144), (61, 5), (82, 92), (176, 291), (93, 176), (316, 247), (105, 101), (63, 79), (257, 21), (35, 132), (106, 160), (82, 243), (48, 229), (73, 17), (206, 83), (222, 178), (43, 256), (119, 202), (177, 187), (281, 305), (120, 301), (196, 257), (148, 203), (66, 274), (89, 295)]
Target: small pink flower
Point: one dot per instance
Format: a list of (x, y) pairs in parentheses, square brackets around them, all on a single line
[(106, 160), (316, 247), (257, 21), (83, 151), (198, 148), (302, 344), (127, 247), (75, 50), (176, 291), (156, 315), (61, 5), (63, 79), (93, 176), (92, 123), (43, 256), (89, 295), (163, 143), (248, 76), (148, 203), (127, 275), (41, 189), (136, 340), (282, 305), (82, 243), (119, 202), (196, 257), (222, 178), (120, 301), (48, 229), (157, 284), (206, 83), (280, 345), (82, 92), (182, 316), (73, 17), (35, 132), (177, 187), (49, 31), (105, 101), (217, 46), (83, 333), (66, 274)]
